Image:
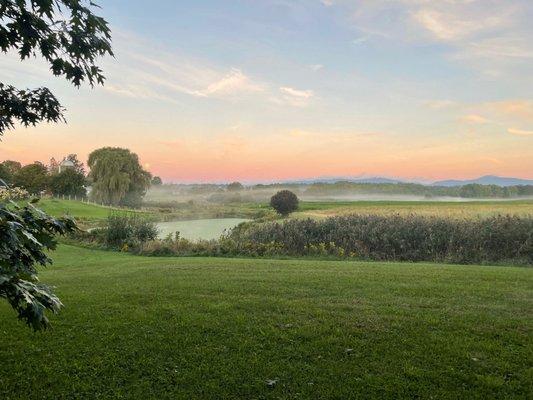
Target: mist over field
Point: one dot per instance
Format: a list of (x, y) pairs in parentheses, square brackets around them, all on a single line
[(218, 193)]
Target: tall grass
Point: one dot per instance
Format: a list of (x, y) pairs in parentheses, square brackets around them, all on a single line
[(400, 238), (499, 239)]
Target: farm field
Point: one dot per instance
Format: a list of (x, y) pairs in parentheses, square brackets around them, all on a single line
[(463, 209), (309, 209), (208, 328)]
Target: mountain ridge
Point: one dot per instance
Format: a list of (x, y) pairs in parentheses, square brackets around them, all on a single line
[(482, 180), (485, 180)]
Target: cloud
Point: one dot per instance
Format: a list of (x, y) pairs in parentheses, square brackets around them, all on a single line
[(519, 132), (305, 94), (474, 119), (521, 109), (331, 136), (234, 82), (440, 104), (455, 23), (327, 3), (500, 48), (137, 92), (293, 97), (360, 40), (145, 71), (316, 67), (474, 32)]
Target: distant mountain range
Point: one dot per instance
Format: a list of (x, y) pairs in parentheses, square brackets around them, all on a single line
[(346, 179), (486, 180)]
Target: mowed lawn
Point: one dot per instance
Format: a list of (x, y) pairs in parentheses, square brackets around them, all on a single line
[(208, 328), (83, 212), (76, 209)]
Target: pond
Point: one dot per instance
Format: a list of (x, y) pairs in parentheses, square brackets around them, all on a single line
[(199, 228)]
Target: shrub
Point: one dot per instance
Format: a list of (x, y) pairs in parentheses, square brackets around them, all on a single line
[(13, 194), (129, 229), (235, 187), (284, 202)]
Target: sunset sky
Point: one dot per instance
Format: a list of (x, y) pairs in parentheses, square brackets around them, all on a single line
[(266, 90)]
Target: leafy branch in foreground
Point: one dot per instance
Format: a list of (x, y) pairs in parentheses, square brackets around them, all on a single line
[(70, 38), (68, 35), (26, 233), (29, 107)]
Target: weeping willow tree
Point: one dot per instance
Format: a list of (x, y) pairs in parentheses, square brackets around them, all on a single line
[(117, 177)]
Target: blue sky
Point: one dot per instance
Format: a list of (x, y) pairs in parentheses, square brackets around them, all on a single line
[(266, 90)]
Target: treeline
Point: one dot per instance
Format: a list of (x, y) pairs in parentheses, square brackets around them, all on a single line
[(37, 178), (116, 177), (223, 192), (473, 190)]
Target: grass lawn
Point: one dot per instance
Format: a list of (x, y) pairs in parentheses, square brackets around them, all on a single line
[(184, 211), (208, 328), (76, 209), (466, 209)]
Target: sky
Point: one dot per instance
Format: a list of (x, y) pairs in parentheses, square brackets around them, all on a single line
[(271, 90)]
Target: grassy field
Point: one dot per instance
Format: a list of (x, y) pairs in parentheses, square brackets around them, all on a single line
[(181, 328), (91, 212), (183, 211), (442, 208), (76, 209)]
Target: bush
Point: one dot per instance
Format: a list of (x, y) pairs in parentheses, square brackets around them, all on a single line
[(284, 202), (235, 187), (14, 194), (129, 230)]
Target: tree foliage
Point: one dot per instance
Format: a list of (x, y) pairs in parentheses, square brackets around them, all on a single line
[(26, 233), (474, 190), (68, 182), (78, 165), (27, 106), (284, 202), (156, 181), (235, 187), (32, 177), (68, 35), (117, 176), (5, 176), (8, 169)]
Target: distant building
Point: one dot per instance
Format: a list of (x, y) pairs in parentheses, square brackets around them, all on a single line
[(65, 164)]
